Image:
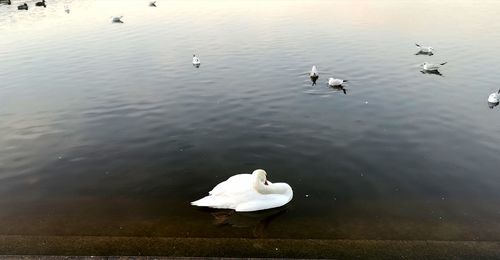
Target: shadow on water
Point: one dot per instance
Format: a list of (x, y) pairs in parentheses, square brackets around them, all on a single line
[(313, 79), (424, 53), (339, 88), (492, 105), (258, 221), (433, 72)]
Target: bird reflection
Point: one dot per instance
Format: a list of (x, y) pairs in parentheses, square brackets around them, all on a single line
[(424, 53), (257, 220), (435, 72), (492, 105), (313, 79), (339, 88)]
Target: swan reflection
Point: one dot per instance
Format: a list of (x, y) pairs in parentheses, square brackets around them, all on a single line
[(258, 221)]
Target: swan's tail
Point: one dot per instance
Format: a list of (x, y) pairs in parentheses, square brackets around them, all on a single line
[(210, 201)]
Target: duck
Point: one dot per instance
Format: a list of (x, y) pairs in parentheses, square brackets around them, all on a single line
[(42, 3), (5, 2), (425, 49), (335, 82), (196, 60), (152, 3), (117, 19), (314, 74), (426, 66), (246, 193), (494, 97), (23, 7)]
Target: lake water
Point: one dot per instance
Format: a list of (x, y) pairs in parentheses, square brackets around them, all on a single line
[(108, 129)]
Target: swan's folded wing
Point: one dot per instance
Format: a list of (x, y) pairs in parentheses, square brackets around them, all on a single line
[(235, 183), (265, 202)]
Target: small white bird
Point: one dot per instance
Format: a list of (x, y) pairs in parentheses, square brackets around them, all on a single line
[(425, 49), (196, 60), (66, 9), (247, 192), (314, 75), (335, 82), (152, 3), (117, 19), (494, 97), (426, 66)]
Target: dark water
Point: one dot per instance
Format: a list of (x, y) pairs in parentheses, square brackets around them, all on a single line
[(108, 129)]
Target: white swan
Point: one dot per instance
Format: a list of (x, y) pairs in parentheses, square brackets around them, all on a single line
[(425, 49), (196, 60), (431, 67), (494, 97), (335, 82), (117, 19), (247, 192)]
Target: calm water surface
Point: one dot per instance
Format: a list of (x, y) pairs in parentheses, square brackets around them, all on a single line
[(107, 129)]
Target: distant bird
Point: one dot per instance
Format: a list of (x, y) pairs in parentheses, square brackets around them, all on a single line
[(23, 7), (426, 66), (196, 60), (42, 3), (66, 9), (335, 82), (5, 2), (116, 19), (494, 97), (152, 3), (314, 75), (425, 49)]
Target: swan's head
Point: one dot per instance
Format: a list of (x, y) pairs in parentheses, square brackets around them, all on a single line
[(261, 176)]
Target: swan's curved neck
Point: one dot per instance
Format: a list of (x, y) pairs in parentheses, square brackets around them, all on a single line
[(276, 188)]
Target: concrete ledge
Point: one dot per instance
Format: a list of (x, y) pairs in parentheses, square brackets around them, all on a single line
[(242, 247)]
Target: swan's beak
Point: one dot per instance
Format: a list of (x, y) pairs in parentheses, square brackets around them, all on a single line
[(265, 183)]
